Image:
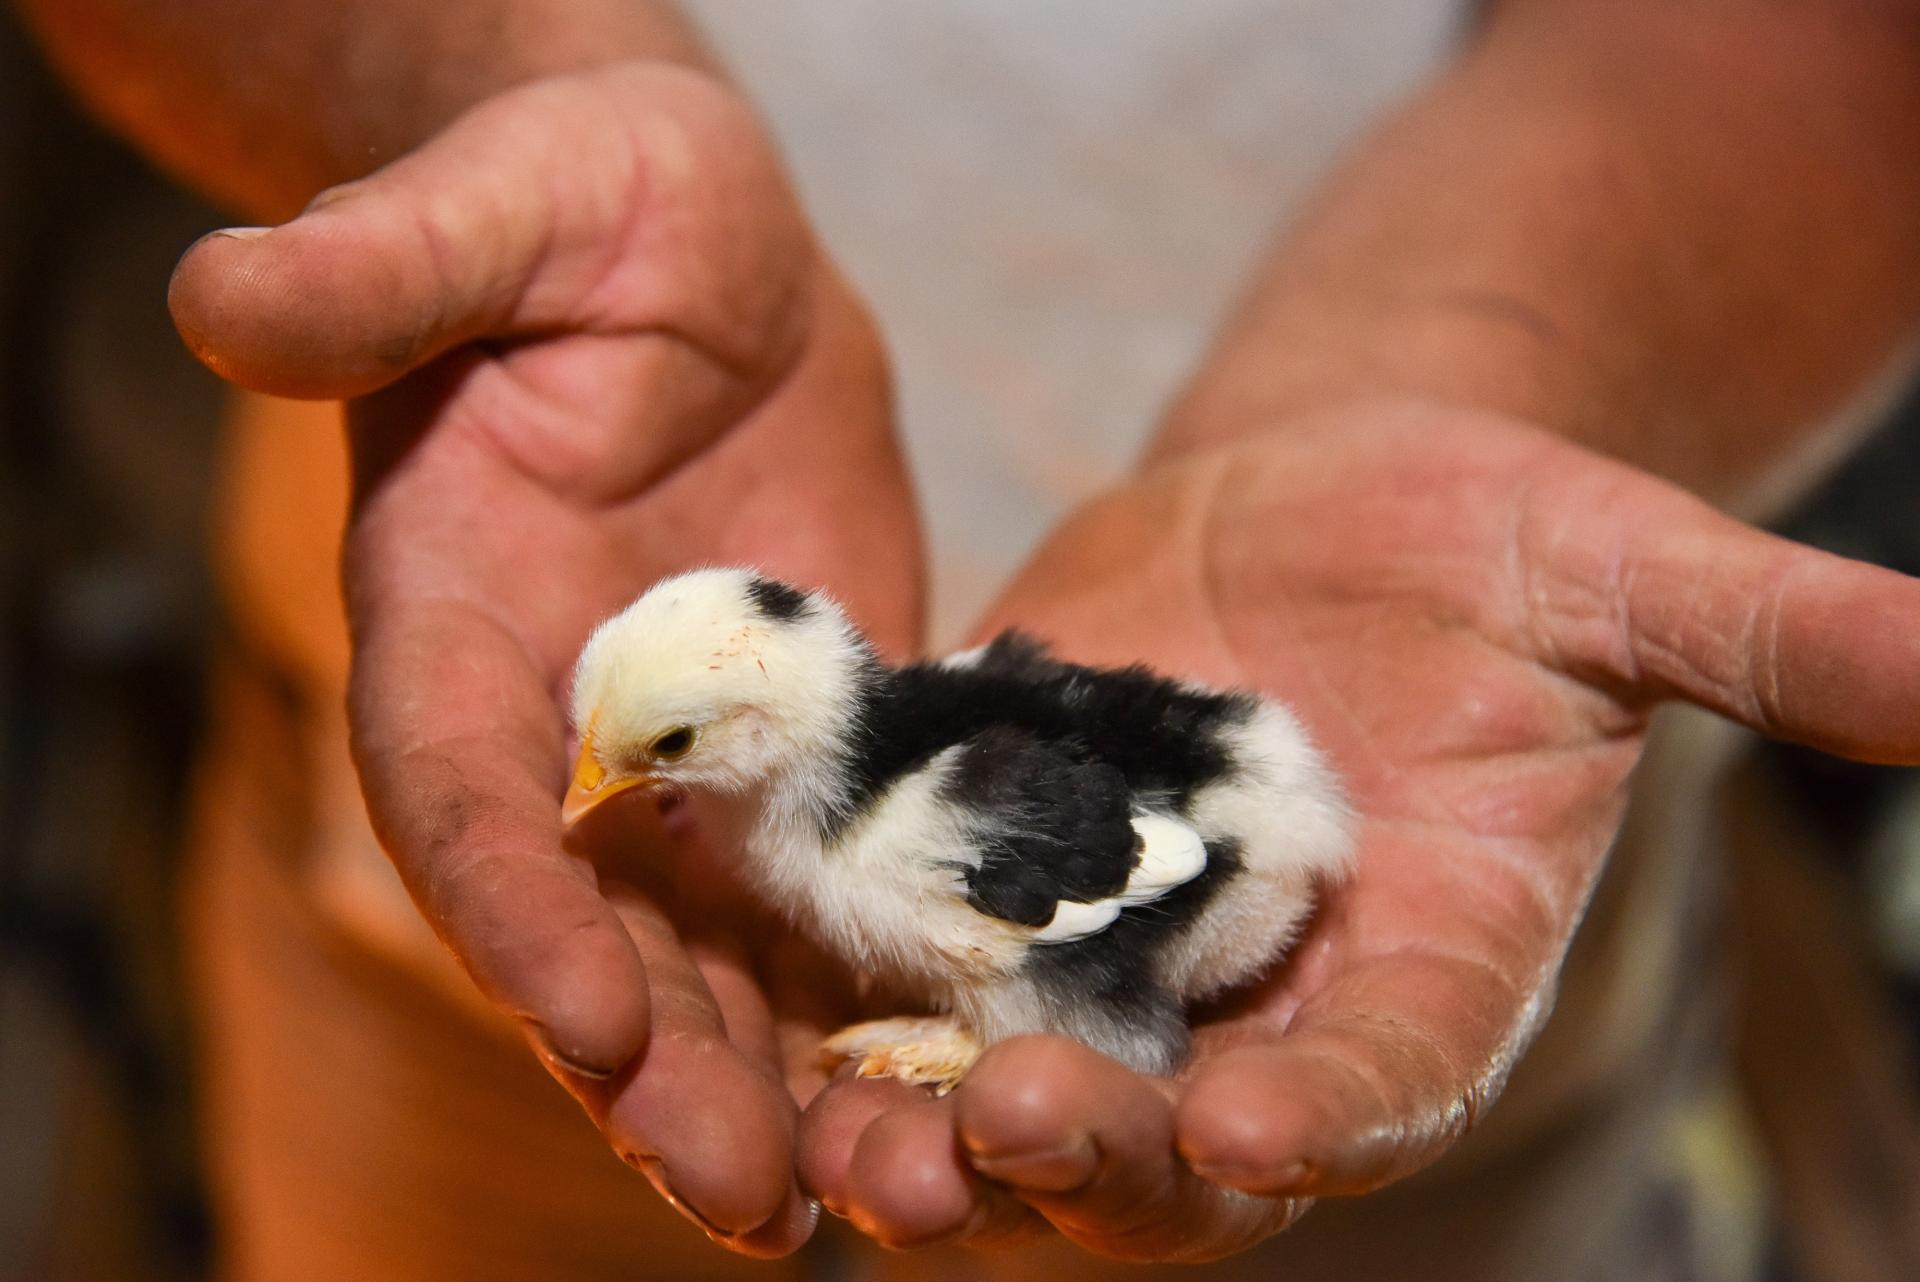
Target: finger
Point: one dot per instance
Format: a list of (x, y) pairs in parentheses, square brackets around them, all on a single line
[(908, 1186), (452, 739), (728, 974), (458, 750), (712, 1128), (1090, 1145), (811, 996), (1378, 1074), (785, 1232), (622, 200), (1661, 592), (832, 1125)]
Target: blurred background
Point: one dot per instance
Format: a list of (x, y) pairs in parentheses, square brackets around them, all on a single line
[(107, 439), (110, 441)]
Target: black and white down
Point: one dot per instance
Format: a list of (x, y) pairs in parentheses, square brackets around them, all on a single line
[(1042, 846), (1030, 844)]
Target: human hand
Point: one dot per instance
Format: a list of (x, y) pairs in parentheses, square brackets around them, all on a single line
[(1475, 619), (592, 343)]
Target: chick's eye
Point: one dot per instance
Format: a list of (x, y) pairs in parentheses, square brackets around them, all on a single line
[(674, 744)]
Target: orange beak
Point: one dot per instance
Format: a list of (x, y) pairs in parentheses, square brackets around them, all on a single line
[(592, 785)]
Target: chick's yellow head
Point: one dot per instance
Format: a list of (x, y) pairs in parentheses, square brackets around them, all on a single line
[(716, 681)]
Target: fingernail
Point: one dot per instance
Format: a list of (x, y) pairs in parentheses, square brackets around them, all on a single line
[(1058, 1170), (544, 1040), (882, 1234), (656, 1172), (975, 1225), (328, 196), (242, 233), (1292, 1178)]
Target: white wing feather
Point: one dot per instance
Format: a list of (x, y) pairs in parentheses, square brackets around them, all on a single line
[(1171, 855), (1073, 921)]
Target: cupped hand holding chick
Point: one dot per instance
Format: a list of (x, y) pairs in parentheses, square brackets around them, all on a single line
[(1475, 619), (593, 344)]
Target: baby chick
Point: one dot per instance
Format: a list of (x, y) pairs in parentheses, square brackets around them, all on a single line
[(1023, 844)]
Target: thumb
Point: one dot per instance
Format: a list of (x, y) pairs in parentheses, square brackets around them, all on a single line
[(1660, 594), (626, 200)]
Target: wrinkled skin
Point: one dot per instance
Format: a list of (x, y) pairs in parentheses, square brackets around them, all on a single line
[(593, 344), (1475, 619)]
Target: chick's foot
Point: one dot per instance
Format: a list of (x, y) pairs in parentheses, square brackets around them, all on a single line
[(925, 1050)]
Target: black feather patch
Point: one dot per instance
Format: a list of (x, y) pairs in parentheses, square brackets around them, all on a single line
[(778, 601), (1163, 738), (1056, 824)]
